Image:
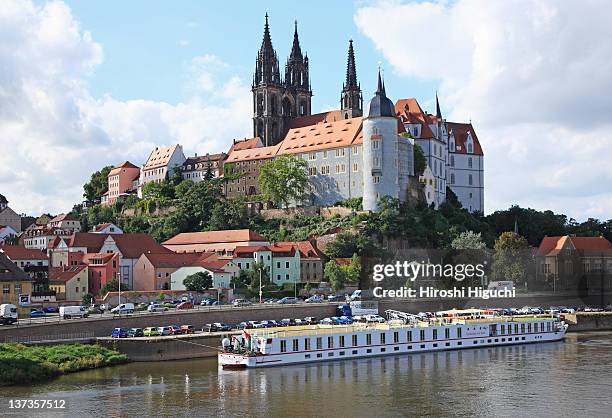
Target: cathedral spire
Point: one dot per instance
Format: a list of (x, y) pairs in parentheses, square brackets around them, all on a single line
[(351, 70), (380, 89), (296, 52), (438, 112), (266, 67)]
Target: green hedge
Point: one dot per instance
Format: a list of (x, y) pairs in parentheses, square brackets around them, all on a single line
[(20, 364)]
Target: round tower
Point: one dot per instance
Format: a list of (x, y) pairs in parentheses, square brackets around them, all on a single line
[(380, 150)]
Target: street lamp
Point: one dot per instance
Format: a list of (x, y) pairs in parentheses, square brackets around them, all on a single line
[(260, 284)]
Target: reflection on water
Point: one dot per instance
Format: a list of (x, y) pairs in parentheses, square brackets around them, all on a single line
[(561, 379)]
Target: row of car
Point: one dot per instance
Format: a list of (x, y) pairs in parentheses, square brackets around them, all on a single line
[(152, 331)]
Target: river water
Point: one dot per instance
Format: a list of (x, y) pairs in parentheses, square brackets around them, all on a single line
[(570, 378)]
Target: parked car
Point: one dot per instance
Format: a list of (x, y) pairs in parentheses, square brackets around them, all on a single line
[(271, 300), (151, 332), (37, 313), (185, 305), (310, 320), (216, 326), (326, 321), (287, 322), (165, 330), (374, 318), (176, 330), (51, 309), (356, 295), (123, 308), (142, 306), (299, 321), (94, 310), (314, 299), (607, 309), (273, 323), (241, 302), (119, 333), (288, 300), (135, 332), (155, 307), (207, 301), (244, 325), (67, 312), (188, 329), (335, 298)]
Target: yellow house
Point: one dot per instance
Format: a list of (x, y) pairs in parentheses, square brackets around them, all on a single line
[(13, 283), (69, 282)]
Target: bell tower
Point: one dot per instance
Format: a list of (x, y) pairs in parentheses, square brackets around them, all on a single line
[(351, 100)]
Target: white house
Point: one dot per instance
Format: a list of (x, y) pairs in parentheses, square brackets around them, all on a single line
[(160, 164)]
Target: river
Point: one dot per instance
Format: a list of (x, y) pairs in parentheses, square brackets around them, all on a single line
[(570, 378)]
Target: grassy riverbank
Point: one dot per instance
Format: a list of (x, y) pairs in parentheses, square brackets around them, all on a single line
[(20, 364)]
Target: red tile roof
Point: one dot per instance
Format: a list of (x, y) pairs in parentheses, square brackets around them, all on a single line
[(213, 237), (460, 132), (553, 245), (323, 117), (323, 135), (130, 245), (409, 111), (306, 248), (173, 260), (100, 227), (246, 144), (64, 274), (117, 169), (18, 252), (160, 157)]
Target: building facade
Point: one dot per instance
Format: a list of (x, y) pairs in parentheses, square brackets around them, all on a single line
[(160, 164), (123, 180), (203, 167), (8, 216)]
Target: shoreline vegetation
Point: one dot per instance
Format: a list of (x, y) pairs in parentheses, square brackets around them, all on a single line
[(21, 364)]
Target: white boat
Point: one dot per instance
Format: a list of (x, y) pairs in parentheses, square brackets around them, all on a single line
[(402, 334)]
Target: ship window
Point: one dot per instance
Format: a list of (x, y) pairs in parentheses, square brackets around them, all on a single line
[(319, 343), (354, 351), (459, 329), (368, 339), (307, 344), (448, 344), (488, 341), (396, 337), (409, 347), (523, 338), (341, 353), (522, 328), (535, 327), (422, 345), (503, 329), (307, 356), (446, 333), (341, 341), (354, 337), (422, 335), (330, 342), (409, 335), (516, 328), (319, 355), (503, 340), (396, 348), (496, 340), (459, 343), (383, 349), (529, 327), (435, 334), (475, 342), (382, 338), (283, 344), (435, 345), (548, 326), (368, 351), (296, 345), (330, 354)]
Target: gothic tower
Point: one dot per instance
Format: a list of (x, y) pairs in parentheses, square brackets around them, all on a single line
[(297, 97), (351, 100), (267, 91)]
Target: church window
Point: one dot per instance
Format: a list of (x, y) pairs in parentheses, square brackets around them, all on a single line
[(452, 179), (470, 162), (375, 144), (340, 152), (470, 179)]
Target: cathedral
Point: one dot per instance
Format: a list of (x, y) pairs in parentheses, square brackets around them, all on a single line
[(351, 151)]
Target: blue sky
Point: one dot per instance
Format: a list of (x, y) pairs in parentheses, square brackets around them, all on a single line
[(85, 84), (148, 44)]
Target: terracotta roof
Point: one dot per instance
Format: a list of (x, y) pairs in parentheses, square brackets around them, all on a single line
[(130, 245), (173, 260), (409, 111), (100, 227), (64, 217), (341, 133), (259, 153), (160, 157), (246, 144), (329, 116), (18, 252), (204, 158), (553, 245), (306, 248), (460, 132), (117, 169), (213, 237), (64, 274), (10, 272)]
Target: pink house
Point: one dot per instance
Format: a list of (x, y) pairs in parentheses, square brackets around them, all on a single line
[(121, 180)]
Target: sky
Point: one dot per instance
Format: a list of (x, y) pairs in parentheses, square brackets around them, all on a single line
[(89, 84)]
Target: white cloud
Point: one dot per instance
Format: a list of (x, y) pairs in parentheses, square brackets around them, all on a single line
[(54, 133), (533, 76)]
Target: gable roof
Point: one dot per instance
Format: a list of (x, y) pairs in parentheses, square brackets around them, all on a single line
[(409, 111), (130, 245), (19, 252), (214, 237), (553, 245), (64, 217), (323, 135), (172, 260), (117, 169), (10, 272), (160, 157), (460, 133), (243, 144), (323, 117), (258, 153), (306, 248), (64, 274)]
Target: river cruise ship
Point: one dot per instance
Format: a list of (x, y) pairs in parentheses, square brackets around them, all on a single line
[(403, 333)]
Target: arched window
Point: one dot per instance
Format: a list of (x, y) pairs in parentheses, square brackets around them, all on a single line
[(470, 161)]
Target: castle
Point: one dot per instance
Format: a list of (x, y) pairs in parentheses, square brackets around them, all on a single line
[(351, 152)]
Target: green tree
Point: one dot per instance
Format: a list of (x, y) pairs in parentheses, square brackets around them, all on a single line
[(511, 258), (468, 241), (283, 180), (198, 282), (420, 161), (335, 275), (97, 184), (88, 299), (353, 270)]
